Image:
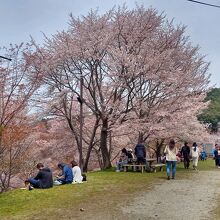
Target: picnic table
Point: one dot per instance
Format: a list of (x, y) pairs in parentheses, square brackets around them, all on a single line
[(148, 166), (157, 165), (150, 161), (134, 166)]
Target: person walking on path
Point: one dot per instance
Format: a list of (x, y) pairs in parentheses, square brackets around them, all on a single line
[(216, 155), (171, 152), (43, 180), (195, 155), (185, 152)]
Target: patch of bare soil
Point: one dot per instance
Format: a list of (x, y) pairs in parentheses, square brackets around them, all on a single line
[(191, 199)]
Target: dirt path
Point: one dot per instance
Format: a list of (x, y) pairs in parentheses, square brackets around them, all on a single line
[(192, 198)]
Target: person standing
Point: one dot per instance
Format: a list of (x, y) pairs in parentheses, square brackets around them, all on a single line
[(171, 152), (140, 153), (195, 155), (185, 152), (43, 180), (216, 155)]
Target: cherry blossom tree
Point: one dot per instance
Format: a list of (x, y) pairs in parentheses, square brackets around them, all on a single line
[(168, 72), (136, 69), (15, 123)]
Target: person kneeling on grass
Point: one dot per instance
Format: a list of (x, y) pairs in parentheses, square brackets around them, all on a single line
[(43, 180), (66, 176)]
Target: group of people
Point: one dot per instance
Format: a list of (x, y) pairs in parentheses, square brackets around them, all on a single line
[(44, 178), (127, 156), (171, 156), (193, 152), (187, 152)]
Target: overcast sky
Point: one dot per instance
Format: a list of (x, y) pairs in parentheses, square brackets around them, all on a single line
[(21, 18)]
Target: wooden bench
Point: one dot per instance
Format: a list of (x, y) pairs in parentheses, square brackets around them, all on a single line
[(156, 165), (134, 166)]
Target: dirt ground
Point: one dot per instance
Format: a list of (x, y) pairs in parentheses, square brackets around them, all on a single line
[(192, 198)]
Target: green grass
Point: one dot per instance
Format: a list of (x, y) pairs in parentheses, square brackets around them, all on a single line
[(208, 164), (103, 189)]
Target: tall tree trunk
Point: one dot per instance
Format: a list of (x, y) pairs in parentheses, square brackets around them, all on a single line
[(104, 145), (91, 143), (159, 145), (140, 137)]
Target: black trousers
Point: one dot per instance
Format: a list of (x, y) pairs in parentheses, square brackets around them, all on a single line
[(186, 162)]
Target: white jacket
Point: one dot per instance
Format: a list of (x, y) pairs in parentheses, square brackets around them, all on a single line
[(195, 153), (77, 175), (171, 154)]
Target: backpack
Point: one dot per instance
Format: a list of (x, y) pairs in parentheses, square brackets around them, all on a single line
[(84, 177)]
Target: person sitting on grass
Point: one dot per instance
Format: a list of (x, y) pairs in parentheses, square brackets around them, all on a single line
[(77, 174), (43, 180), (66, 176)]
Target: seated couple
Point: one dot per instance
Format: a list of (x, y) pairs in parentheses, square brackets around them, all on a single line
[(44, 178), (69, 175), (127, 157)]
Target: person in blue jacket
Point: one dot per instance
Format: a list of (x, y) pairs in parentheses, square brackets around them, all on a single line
[(203, 155), (66, 175)]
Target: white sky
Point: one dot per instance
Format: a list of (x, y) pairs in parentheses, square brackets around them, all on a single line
[(21, 18)]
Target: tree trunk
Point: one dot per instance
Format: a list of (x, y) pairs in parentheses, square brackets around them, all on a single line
[(103, 144), (85, 165), (140, 137), (158, 149)]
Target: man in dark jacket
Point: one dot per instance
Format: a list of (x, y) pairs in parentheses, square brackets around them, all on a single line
[(140, 153), (217, 155), (185, 152), (44, 178)]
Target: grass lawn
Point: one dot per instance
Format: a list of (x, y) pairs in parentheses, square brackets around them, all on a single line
[(103, 192)]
